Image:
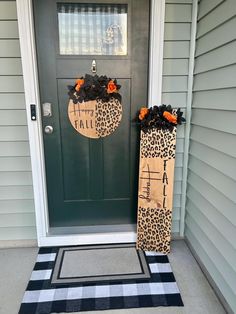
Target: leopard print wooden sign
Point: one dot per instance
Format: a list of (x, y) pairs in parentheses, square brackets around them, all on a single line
[(95, 118), (155, 194)]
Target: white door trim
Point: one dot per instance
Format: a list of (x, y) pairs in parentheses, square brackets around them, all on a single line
[(157, 22), (31, 85)]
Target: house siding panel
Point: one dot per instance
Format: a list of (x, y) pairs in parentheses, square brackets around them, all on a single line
[(9, 48), (207, 6), (8, 10), (207, 258), (13, 133), (218, 37), (8, 29), (175, 79), (8, 101), (17, 216), (14, 149), (220, 99), (219, 15), (15, 178), (217, 58), (211, 201), (10, 66), (17, 206)]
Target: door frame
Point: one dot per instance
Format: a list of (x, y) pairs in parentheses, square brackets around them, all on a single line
[(32, 96)]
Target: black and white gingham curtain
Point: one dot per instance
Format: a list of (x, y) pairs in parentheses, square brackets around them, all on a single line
[(92, 29)]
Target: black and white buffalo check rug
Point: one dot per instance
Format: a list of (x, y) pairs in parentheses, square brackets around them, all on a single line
[(87, 278)]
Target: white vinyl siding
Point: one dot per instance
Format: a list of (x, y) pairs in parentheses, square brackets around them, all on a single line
[(211, 197), (17, 217), (175, 81)]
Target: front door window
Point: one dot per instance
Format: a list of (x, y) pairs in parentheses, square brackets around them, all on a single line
[(92, 29)]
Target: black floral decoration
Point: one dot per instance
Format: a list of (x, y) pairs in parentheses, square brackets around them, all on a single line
[(160, 117), (93, 88)]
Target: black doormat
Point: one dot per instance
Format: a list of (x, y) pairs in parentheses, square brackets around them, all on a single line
[(62, 281)]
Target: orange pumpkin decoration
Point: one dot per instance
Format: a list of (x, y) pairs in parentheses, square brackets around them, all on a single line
[(143, 112), (79, 83), (111, 87), (170, 117)]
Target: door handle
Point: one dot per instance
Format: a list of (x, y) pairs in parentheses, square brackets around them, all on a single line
[(94, 67), (48, 129)]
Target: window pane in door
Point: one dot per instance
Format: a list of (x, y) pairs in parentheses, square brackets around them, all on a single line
[(92, 29)]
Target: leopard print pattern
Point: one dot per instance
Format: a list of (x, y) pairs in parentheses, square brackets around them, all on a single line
[(107, 116), (154, 224), (154, 230), (159, 143)]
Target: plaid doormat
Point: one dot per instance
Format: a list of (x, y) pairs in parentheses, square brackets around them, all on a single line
[(44, 297)]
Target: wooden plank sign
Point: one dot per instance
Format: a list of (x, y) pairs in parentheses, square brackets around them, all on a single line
[(155, 192)]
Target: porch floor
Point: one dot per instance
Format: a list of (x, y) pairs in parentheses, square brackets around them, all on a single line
[(198, 297)]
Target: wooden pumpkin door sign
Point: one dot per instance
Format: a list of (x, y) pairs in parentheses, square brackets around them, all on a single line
[(95, 108), (156, 176)]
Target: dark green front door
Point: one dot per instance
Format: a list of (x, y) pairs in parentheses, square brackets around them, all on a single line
[(91, 181)]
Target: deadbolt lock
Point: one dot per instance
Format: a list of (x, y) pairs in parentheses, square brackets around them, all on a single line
[(47, 109)]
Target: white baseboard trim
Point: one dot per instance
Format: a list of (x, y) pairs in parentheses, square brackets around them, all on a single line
[(5, 244), (211, 281), (176, 236), (9, 244)]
